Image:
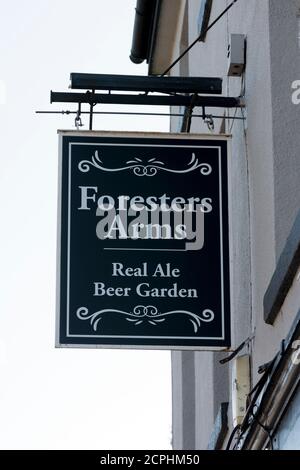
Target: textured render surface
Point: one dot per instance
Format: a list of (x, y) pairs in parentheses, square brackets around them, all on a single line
[(167, 35), (285, 68), (207, 59), (264, 179), (283, 31)]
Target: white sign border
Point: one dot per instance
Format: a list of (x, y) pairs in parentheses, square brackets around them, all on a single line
[(223, 138)]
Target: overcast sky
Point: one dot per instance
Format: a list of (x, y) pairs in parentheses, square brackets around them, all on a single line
[(61, 398)]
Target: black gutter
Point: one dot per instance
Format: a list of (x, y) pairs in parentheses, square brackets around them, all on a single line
[(142, 39)]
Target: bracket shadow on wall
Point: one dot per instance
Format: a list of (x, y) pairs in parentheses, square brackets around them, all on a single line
[(149, 90)]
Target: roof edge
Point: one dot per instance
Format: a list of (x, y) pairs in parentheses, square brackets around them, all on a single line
[(146, 17)]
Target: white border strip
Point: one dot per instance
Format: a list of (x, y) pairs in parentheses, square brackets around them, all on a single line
[(69, 234)]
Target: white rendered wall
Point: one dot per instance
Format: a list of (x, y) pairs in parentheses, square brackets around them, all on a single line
[(264, 180)]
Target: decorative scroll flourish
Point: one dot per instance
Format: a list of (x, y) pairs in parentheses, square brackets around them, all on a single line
[(142, 168), (147, 313)]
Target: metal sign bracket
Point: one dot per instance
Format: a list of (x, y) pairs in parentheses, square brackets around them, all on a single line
[(187, 92)]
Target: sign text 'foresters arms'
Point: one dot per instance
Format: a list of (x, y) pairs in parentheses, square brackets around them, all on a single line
[(151, 218), (144, 242)]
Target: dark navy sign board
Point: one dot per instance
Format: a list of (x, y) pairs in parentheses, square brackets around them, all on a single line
[(143, 256)]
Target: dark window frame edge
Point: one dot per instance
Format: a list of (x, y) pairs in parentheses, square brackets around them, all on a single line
[(284, 274)]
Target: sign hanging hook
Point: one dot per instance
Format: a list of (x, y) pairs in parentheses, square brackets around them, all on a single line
[(208, 119), (78, 121)]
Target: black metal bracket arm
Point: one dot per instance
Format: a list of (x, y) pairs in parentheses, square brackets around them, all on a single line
[(174, 91), (146, 84), (152, 100)]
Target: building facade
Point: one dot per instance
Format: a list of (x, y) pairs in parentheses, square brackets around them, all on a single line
[(251, 399)]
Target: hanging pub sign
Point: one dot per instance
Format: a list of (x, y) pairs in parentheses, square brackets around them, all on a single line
[(143, 241)]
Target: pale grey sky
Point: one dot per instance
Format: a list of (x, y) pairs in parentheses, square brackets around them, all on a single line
[(61, 398)]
